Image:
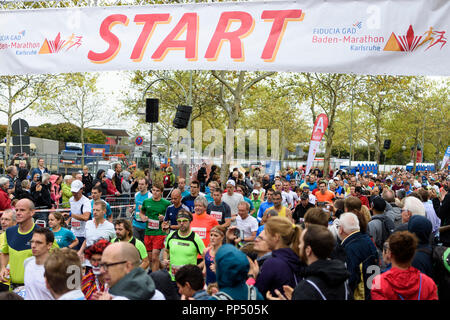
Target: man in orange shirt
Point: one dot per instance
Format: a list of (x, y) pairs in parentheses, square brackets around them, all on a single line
[(324, 195), (202, 222)]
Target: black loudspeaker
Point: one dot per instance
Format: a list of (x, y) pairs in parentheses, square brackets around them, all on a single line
[(387, 144), (182, 117), (151, 110)]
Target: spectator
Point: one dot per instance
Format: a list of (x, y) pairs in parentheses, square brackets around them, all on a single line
[(392, 210), (411, 206), (41, 169), (190, 283), (66, 194), (430, 214), (422, 260), (8, 219), (284, 267), (360, 254), (402, 281), (64, 285), (232, 269), (5, 200), (100, 181), (55, 189), (87, 181)]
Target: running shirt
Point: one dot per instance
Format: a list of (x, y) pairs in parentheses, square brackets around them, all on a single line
[(327, 197), (209, 260), (202, 225), (188, 201), (139, 199), (153, 209), (183, 250), (233, 201), (18, 246), (64, 237), (35, 288), (102, 231), (220, 212), (140, 246), (282, 212), (79, 207), (172, 212)]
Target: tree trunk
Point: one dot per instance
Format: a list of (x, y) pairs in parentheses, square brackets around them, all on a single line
[(82, 145), (368, 151), (378, 140)]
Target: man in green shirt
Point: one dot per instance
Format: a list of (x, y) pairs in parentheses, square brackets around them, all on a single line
[(152, 213), (17, 245), (124, 232), (182, 245)]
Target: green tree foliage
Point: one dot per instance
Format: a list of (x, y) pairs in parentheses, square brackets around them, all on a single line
[(66, 132)]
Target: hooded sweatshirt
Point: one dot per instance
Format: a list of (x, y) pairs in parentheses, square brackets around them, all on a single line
[(103, 184), (422, 228), (136, 285), (232, 268), (329, 276), (283, 268), (398, 284)]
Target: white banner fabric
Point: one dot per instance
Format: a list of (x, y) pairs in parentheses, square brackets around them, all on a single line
[(404, 37)]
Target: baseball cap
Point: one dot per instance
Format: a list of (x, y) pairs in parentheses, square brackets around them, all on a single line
[(231, 182), (255, 191), (76, 186), (378, 203)]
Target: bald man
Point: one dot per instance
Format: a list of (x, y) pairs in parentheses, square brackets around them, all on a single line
[(17, 245), (122, 274), (170, 219)]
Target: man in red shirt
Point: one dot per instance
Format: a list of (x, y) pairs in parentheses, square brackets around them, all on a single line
[(5, 201), (358, 194), (202, 222)]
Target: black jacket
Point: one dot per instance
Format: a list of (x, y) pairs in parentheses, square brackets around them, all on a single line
[(300, 211), (329, 276), (87, 181), (42, 199)]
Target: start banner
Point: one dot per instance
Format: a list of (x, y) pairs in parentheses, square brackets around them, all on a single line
[(404, 37)]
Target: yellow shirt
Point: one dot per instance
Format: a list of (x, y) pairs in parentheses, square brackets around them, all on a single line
[(281, 213)]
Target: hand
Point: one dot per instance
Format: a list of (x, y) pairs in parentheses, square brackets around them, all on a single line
[(230, 236), (3, 275), (254, 268), (212, 267), (166, 263), (288, 291), (39, 187), (104, 296), (81, 256), (161, 217), (165, 225)]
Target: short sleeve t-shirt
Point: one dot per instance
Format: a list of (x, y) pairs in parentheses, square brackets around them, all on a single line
[(78, 227), (183, 250), (188, 201), (138, 244), (102, 231), (220, 212), (202, 225), (327, 197), (64, 237), (282, 212), (153, 209), (233, 201), (172, 212), (35, 282), (138, 200), (248, 225)]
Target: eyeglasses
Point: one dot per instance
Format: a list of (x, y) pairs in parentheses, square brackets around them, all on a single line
[(107, 265)]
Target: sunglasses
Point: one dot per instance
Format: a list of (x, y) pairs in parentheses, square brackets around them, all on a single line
[(182, 220)]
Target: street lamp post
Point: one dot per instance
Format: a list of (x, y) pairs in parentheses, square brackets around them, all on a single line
[(351, 133), (165, 79)]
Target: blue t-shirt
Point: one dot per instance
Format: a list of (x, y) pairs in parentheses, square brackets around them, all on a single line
[(139, 199), (108, 210), (250, 202), (64, 237), (209, 197), (172, 212), (185, 193), (189, 202), (262, 208), (260, 229)]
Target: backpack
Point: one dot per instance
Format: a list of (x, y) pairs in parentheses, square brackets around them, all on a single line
[(251, 295), (387, 229)]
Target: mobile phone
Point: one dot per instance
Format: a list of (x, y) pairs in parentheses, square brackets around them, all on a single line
[(239, 233)]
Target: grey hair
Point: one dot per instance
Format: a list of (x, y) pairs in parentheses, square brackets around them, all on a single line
[(67, 177), (414, 205), (45, 177), (3, 181), (202, 200), (349, 222), (13, 216)]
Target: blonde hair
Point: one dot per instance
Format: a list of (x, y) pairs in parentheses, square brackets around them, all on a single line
[(289, 232)]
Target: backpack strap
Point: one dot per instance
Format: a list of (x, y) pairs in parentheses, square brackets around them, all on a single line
[(317, 288), (222, 296), (252, 294)]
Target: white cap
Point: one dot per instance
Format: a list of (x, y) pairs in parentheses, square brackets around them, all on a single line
[(231, 182), (255, 191), (76, 185)]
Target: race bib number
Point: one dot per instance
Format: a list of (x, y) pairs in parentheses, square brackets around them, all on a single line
[(200, 231), (216, 215), (153, 224), (76, 224)]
